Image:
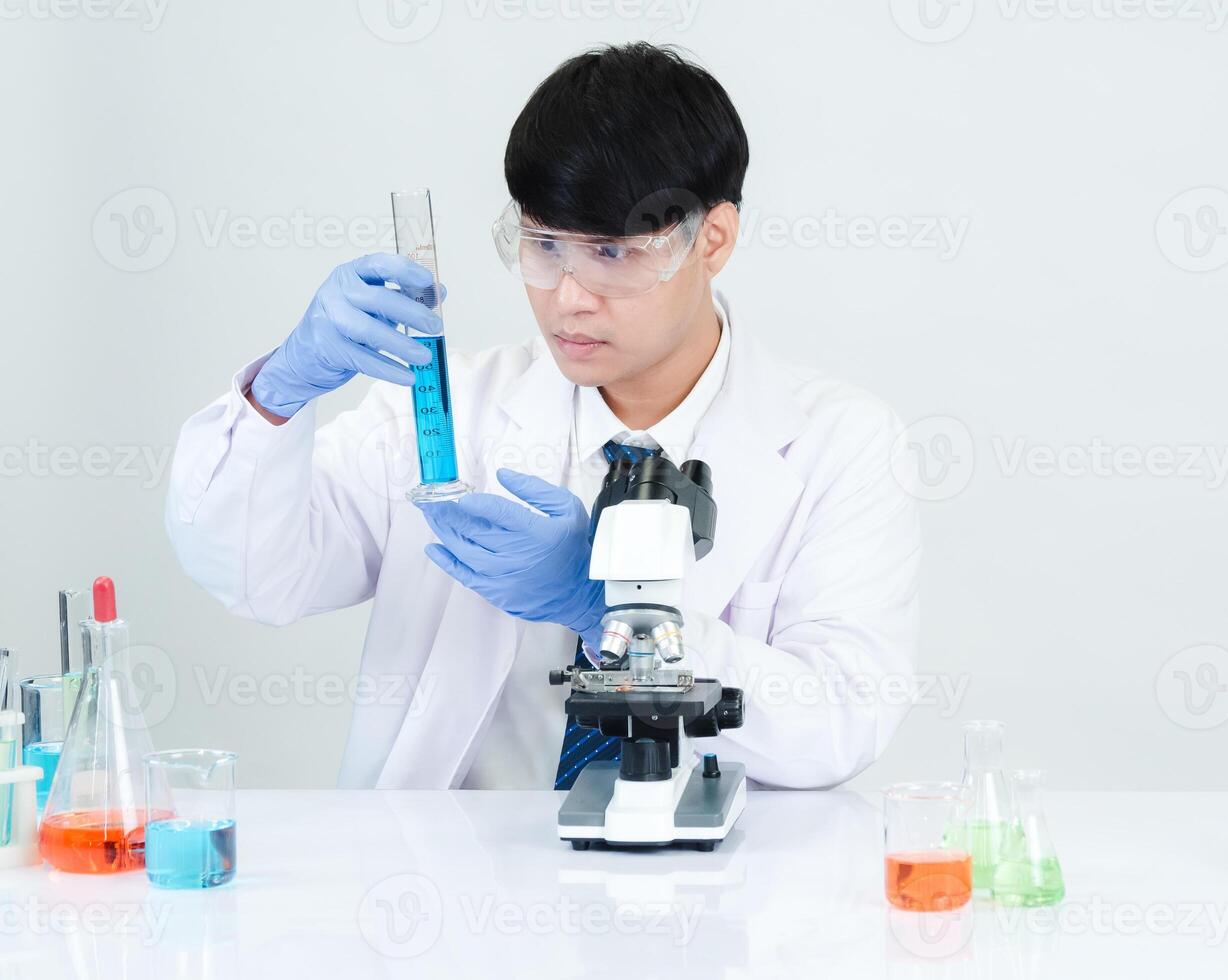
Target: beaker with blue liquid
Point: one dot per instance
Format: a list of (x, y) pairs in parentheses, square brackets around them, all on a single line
[(192, 843), (46, 701)]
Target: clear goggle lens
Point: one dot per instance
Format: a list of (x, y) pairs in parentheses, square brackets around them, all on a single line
[(606, 266)]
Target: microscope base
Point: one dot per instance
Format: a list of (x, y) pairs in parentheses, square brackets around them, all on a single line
[(688, 808)]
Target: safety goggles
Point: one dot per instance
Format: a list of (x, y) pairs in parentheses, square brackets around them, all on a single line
[(605, 265)]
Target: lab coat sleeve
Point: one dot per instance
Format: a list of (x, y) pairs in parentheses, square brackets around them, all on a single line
[(828, 670), (280, 522)]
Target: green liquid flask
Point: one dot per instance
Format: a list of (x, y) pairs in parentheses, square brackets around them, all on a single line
[(989, 817), (1028, 873)]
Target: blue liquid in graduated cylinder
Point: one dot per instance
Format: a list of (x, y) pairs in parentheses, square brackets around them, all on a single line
[(433, 415), (190, 853), (45, 755)]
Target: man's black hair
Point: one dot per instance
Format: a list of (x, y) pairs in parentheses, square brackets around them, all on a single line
[(621, 140)]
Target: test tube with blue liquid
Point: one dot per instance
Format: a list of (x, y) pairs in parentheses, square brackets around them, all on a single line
[(9, 731), (414, 227)]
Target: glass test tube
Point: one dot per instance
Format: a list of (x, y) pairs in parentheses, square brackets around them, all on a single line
[(414, 228), (10, 734)]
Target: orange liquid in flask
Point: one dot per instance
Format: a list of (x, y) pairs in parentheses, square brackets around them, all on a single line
[(93, 841)]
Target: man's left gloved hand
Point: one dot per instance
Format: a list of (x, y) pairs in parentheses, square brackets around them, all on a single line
[(534, 566)]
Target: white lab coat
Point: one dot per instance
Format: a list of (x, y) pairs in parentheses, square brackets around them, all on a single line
[(808, 599)]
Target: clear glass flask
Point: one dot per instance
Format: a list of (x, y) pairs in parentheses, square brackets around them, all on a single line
[(414, 228), (1029, 872), (194, 846), (989, 817), (95, 814)]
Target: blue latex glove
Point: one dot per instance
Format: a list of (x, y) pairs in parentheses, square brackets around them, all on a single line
[(534, 566), (352, 317)]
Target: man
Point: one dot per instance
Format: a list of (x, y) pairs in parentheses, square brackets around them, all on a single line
[(625, 169)]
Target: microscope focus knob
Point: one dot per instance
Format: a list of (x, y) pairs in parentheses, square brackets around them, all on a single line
[(731, 710)]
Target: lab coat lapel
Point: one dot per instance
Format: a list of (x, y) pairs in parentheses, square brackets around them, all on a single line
[(537, 435), (740, 438)]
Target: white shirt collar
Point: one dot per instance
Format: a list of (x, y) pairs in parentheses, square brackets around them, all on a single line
[(594, 424)]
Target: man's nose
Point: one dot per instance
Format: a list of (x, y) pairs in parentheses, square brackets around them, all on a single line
[(571, 297)]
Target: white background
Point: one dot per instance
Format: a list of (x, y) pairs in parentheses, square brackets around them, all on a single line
[(1074, 313)]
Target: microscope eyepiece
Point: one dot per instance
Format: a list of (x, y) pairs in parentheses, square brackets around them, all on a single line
[(699, 473)]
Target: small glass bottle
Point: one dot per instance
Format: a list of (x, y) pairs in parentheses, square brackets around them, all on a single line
[(989, 817), (1029, 872)]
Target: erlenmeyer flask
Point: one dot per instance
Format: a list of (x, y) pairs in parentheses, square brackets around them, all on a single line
[(1029, 872), (95, 816), (989, 817)]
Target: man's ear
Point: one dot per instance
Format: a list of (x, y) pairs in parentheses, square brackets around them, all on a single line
[(717, 237)]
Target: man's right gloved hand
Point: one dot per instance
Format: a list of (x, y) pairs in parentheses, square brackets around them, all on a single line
[(352, 317)]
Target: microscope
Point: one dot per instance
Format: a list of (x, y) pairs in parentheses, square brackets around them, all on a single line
[(651, 521)]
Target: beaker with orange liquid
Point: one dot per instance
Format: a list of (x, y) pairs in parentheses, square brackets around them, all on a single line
[(928, 867)]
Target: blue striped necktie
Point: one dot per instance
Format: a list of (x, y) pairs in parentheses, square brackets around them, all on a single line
[(584, 745)]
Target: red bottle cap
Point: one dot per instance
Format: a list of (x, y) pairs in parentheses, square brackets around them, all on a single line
[(104, 599)]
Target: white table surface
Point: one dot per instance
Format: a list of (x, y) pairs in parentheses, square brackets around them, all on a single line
[(474, 884)]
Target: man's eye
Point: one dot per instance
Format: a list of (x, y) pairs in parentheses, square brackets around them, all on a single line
[(547, 246), (610, 251)]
